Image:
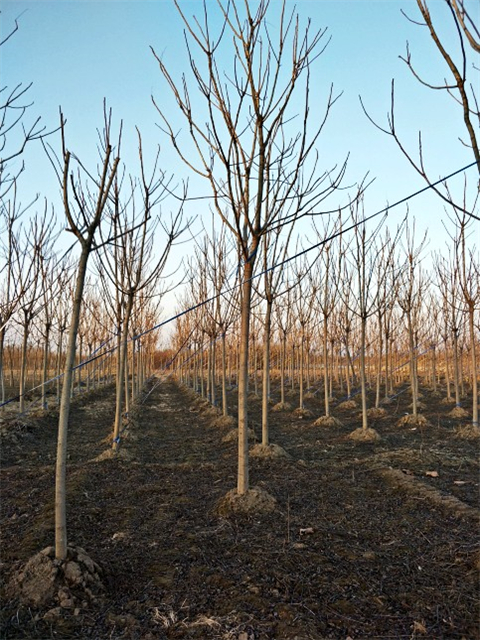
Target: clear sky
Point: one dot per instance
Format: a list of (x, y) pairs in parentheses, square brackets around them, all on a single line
[(78, 52)]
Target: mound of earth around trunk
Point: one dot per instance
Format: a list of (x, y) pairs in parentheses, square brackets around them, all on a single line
[(327, 421), (282, 406), (364, 435), (45, 582), (411, 420), (253, 501), (268, 451)]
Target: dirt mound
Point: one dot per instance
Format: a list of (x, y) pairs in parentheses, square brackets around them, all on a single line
[(45, 582), (302, 414), (376, 413), (232, 436), (458, 412), (282, 406), (469, 432), (327, 421), (268, 451), (347, 405), (253, 501), (411, 420), (224, 422), (364, 435)]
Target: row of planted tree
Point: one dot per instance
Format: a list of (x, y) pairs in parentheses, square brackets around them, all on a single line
[(316, 319), (359, 314)]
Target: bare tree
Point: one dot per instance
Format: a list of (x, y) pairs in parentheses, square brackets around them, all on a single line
[(83, 210), (254, 158)]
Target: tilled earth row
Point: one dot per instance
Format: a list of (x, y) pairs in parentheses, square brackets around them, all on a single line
[(365, 542)]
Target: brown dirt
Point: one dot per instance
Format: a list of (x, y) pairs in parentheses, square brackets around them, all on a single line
[(366, 540)]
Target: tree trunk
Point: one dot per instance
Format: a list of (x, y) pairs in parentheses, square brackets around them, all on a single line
[(243, 476), (61, 463)]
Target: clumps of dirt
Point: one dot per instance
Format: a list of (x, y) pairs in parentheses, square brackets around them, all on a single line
[(310, 395), (468, 432), (327, 421), (302, 413), (252, 397), (253, 501), (282, 406), (223, 422), (413, 421), (232, 436), (268, 451), (458, 412), (376, 413), (44, 582), (364, 435), (347, 405)]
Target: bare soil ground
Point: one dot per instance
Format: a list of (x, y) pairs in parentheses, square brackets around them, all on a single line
[(368, 539)]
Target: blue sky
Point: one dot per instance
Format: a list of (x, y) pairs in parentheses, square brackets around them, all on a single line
[(78, 52)]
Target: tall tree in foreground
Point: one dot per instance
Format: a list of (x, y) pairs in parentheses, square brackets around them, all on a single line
[(84, 205), (257, 162)]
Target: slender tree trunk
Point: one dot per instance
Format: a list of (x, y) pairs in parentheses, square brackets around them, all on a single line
[(266, 373), (471, 326), (61, 463), (122, 357), (243, 471)]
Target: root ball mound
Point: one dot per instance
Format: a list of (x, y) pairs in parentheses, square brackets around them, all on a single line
[(253, 501), (45, 582), (458, 412), (268, 451), (282, 406), (232, 436), (302, 413), (347, 405), (224, 422), (469, 432), (376, 413), (327, 421), (364, 435), (411, 420)]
